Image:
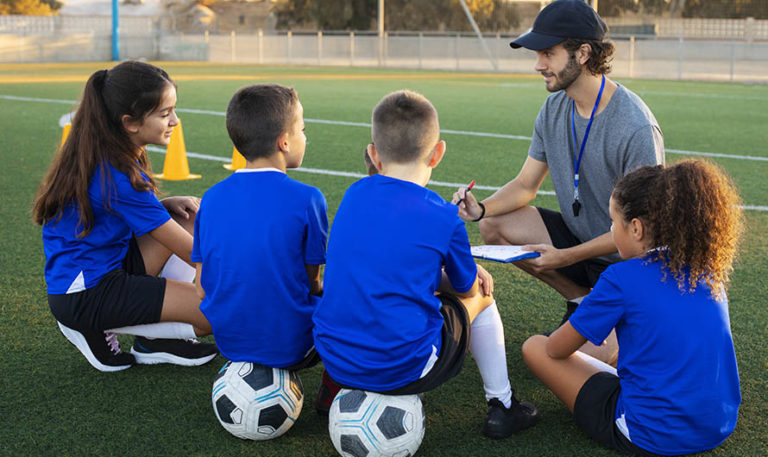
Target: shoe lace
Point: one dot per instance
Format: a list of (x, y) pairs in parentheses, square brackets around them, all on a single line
[(191, 340), (114, 345)]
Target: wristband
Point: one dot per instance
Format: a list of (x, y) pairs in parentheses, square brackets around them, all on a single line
[(482, 213)]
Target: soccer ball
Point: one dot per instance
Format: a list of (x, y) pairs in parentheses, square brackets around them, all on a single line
[(367, 424), (255, 402)]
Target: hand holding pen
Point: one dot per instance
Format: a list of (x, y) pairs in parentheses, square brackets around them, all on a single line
[(467, 204)]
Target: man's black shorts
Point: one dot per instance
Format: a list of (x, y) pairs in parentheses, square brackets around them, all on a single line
[(584, 273), (125, 296), (594, 412), (455, 343)]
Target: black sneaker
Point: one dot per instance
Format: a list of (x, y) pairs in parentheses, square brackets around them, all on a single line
[(187, 352), (570, 308), (100, 349), (501, 422)]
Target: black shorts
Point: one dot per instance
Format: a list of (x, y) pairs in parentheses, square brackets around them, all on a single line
[(584, 273), (311, 359), (594, 413), (455, 343), (125, 296)]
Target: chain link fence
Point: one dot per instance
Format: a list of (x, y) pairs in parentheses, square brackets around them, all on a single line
[(696, 49)]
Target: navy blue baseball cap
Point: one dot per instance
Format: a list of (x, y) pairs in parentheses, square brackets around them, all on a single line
[(559, 20)]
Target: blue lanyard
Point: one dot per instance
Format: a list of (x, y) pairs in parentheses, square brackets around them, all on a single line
[(576, 203)]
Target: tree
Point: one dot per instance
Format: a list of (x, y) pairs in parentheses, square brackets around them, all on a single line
[(399, 14), (337, 15), (30, 7), (687, 8)]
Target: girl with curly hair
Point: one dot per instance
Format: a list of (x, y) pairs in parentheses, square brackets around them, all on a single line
[(676, 387), (106, 235)]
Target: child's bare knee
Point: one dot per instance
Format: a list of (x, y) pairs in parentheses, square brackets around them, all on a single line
[(533, 346)]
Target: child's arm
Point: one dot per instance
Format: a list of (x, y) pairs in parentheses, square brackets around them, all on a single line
[(315, 283), (198, 285), (174, 238), (483, 283), (564, 341), (183, 207), (446, 287)]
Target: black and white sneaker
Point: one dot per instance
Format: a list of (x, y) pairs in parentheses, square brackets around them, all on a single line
[(501, 422), (186, 352), (101, 349)]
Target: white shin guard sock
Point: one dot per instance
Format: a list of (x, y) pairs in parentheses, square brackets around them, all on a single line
[(171, 330), (177, 269), (488, 349)]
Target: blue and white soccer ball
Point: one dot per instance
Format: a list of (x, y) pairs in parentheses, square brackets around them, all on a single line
[(255, 402), (367, 424)]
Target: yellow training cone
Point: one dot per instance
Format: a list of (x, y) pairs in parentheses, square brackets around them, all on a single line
[(176, 167), (65, 133), (238, 161)]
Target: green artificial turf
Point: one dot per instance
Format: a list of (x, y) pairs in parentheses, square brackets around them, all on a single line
[(53, 403)]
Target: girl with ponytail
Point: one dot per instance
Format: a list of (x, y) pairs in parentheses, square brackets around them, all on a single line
[(107, 237), (676, 387)]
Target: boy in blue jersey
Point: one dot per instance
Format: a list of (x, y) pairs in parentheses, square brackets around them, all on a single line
[(380, 326), (260, 237)]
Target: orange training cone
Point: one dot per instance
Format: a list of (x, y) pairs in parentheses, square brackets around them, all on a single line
[(238, 161), (176, 167), (65, 133)]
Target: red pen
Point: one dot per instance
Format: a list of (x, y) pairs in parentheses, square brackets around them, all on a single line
[(469, 187)]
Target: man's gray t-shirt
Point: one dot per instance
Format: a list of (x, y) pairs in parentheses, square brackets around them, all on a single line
[(623, 137)]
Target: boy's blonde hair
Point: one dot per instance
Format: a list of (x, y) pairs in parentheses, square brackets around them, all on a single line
[(404, 127)]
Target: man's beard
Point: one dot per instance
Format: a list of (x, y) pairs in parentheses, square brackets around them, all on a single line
[(567, 76)]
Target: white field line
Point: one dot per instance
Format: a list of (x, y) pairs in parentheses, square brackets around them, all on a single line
[(490, 135), (366, 125), (350, 174), (347, 174)]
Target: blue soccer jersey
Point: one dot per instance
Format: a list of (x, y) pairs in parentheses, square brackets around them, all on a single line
[(74, 264), (254, 234), (379, 323), (677, 366)]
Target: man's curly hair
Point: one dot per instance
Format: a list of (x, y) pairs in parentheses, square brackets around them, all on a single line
[(600, 57), (692, 211)]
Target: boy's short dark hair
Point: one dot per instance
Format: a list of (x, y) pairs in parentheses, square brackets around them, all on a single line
[(404, 127), (257, 115)]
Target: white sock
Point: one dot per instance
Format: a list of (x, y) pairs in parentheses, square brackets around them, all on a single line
[(599, 364), (172, 330), (488, 349), (177, 269)]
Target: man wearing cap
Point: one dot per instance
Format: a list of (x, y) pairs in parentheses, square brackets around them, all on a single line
[(589, 133)]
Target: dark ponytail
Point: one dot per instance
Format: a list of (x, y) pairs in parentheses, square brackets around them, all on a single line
[(98, 138)]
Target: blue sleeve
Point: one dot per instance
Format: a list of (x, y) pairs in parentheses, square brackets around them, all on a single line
[(459, 264), (601, 310), (197, 256), (316, 237), (141, 211)]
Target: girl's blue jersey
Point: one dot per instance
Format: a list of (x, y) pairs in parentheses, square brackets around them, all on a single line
[(677, 366), (74, 264)]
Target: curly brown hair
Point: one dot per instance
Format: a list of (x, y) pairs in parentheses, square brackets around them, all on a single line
[(600, 57), (692, 211)]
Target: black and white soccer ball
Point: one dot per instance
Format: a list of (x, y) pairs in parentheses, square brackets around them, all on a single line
[(367, 424), (255, 402)]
